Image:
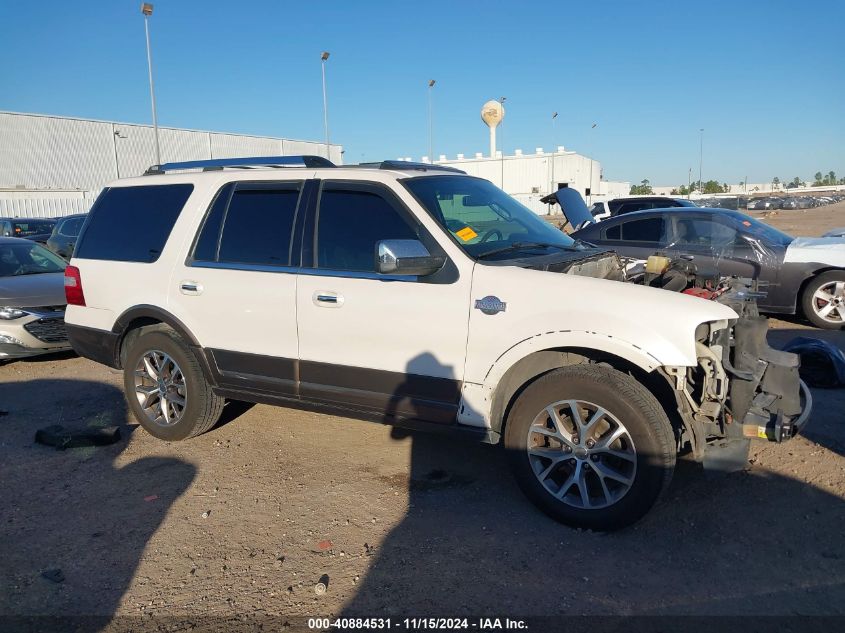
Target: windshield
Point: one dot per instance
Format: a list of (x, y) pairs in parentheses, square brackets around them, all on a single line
[(761, 230), (484, 220), (25, 229), (27, 258)]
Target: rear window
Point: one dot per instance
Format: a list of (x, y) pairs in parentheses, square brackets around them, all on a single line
[(71, 227), (31, 227), (132, 224)]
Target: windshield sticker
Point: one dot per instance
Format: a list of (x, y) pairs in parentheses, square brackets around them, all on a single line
[(466, 234)]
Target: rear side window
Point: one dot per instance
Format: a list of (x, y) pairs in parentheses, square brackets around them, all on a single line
[(258, 226), (71, 228), (645, 230), (630, 207), (209, 237), (613, 233), (132, 224)]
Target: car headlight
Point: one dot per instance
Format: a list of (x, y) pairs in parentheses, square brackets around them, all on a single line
[(9, 314)]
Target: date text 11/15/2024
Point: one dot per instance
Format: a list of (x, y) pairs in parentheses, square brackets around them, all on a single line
[(416, 624)]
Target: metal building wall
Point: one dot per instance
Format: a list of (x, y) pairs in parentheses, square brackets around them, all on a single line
[(49, 152), (529, 177)]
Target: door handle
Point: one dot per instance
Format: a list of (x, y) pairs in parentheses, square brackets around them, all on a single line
[(190, 288), (327, 299)]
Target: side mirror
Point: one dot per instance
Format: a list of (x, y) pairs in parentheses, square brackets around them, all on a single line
[(406, 257)]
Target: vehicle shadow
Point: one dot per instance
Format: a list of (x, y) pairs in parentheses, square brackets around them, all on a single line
[(471, 544), (95, 534)]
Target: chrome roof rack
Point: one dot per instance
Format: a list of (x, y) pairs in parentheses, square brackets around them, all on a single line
[(246, 162)]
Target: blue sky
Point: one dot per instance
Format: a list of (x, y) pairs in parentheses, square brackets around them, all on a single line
[(765, 79)]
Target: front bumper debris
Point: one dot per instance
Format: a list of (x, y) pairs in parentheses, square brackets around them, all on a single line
[(767, 399)]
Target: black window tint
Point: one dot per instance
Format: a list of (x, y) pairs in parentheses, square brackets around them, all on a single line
[(630, 207), (71, 228), (613, 233), (206, 246), (646, 230), (132, 224), (258, 227), (349, 225)]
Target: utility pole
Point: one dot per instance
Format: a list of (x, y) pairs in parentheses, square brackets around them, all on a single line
[(431, 83), (147, 10), (700, 159), (324, 56), (552, 187)]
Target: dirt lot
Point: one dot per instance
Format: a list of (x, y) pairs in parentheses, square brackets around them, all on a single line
[(247, 518)]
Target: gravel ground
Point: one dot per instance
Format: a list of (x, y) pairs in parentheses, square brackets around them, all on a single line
[(247, 518)]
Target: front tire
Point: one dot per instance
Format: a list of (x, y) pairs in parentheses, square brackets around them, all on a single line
[(166, 389), (590, 446), (823, 300)]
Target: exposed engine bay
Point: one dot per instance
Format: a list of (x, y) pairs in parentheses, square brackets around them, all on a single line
[(742, 388)]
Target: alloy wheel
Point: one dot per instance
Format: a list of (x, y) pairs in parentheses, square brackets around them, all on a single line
[(160, 388), (829, 302), (582, 454)]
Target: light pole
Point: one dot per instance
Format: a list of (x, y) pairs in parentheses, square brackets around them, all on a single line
[(502, 125), (147, 10), (592, 127), (552, 187), (324, 56), (700, 158), (689, 183), (431, 83)]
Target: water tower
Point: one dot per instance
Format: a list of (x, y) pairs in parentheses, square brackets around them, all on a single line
[(492, 114)]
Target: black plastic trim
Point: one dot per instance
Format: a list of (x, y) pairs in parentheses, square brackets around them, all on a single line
[(156, 313), (101, 346)]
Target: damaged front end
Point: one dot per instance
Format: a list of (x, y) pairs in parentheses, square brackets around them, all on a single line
[(741, 388)]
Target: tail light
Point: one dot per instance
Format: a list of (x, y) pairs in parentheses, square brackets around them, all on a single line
[(73, 287)]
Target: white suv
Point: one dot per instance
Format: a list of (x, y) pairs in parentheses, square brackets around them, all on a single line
[(419, 296)]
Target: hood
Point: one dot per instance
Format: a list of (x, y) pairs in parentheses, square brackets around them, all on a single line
[(572, 206), (822, 250), (659, 323), (31, 291)]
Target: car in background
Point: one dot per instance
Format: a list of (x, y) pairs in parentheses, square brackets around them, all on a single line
[(35, 229), (764, 204), (835, 233), (63, 239), (32, 300), (619, 206), (798, 274), (790, 203)]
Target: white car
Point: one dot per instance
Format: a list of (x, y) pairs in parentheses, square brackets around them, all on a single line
[(419, 296)]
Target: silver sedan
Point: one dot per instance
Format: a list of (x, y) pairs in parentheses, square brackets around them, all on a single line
[(32, 300)]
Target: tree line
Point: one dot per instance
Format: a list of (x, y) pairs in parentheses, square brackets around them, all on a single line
[(713, 186)]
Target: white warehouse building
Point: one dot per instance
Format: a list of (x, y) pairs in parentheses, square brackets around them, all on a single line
[(52, 165), (530, 177)]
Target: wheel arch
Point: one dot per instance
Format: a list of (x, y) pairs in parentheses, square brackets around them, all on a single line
[(520, 374), (144, 316)]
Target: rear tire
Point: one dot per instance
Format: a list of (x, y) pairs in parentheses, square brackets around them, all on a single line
[(166, 389), (601, 468), (823, 300)]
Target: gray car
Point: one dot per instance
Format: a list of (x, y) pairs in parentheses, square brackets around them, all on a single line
[(32, 300), (63, 239)]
